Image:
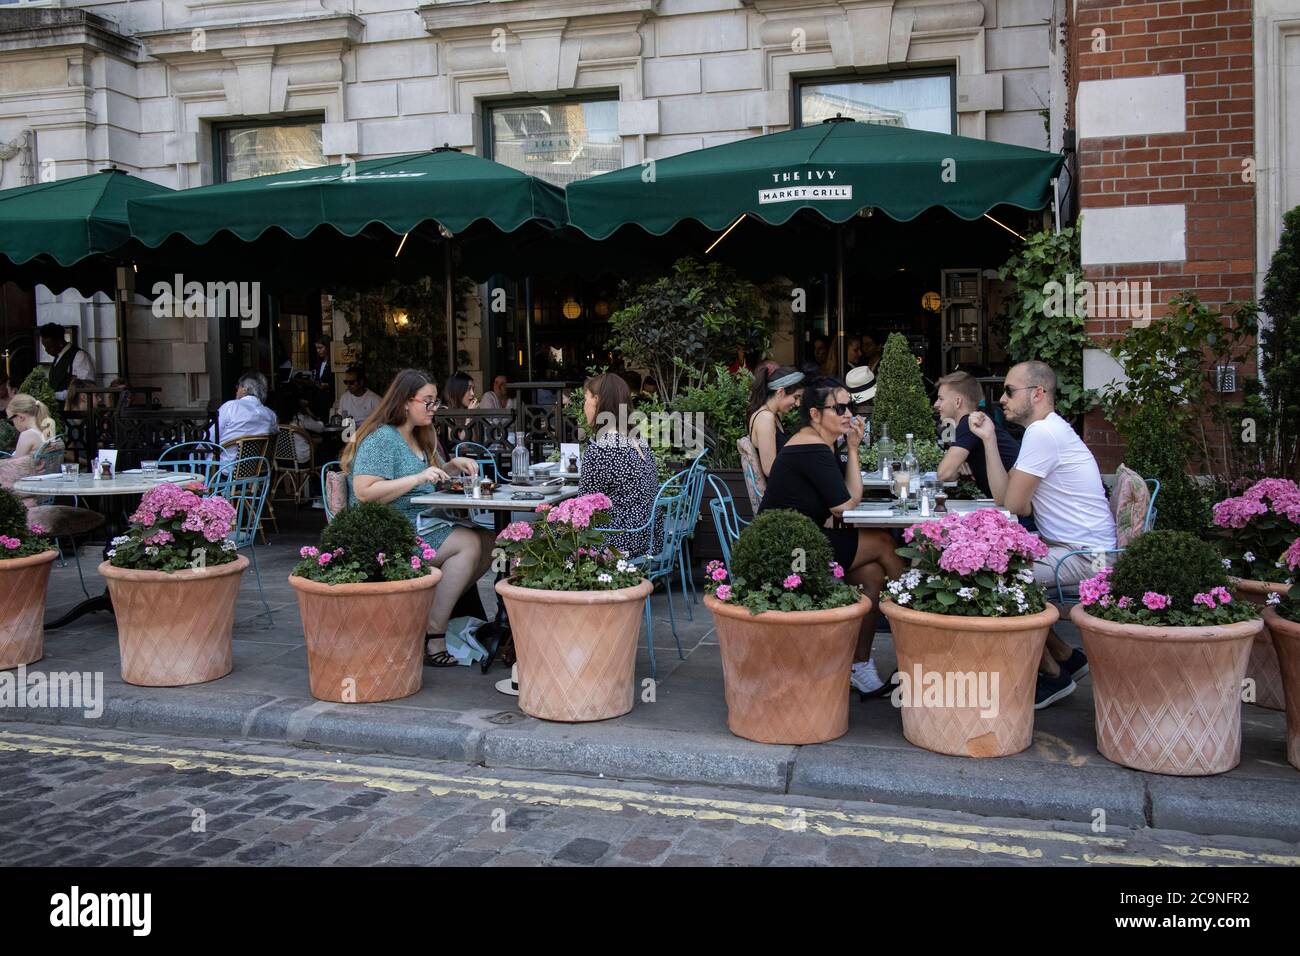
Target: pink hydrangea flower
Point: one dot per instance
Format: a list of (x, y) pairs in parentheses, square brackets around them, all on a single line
[(723, 593), (516, 531), (792, 582), (983, 540), (1291, 557), (1154, 601)]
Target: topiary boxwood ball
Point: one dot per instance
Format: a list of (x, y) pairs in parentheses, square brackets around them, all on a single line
[(779, 543), (367, 529), (1175, 563), (13, 516)]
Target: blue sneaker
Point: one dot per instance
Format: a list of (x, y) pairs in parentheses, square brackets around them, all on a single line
[(1052, 689), (1076, 665)]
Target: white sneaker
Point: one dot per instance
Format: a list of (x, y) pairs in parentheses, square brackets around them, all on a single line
[(864, 677)]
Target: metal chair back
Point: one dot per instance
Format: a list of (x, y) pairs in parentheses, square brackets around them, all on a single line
[(245, 484), (201, 458), (726, 521), (487, 463)]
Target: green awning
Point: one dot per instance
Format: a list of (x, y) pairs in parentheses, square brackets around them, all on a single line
[(835, 168), (70, 232), (451, 188)]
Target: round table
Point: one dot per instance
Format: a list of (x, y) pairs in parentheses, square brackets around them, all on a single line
[(124, 483)]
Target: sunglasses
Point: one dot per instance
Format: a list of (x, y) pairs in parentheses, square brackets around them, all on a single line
[(1012, 389), (349, 382), (840, 408)]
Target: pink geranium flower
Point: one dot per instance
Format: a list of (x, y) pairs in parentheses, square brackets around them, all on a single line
[(723, 593), (324, 559), (1154, 601), (792, 582), (836, 569)]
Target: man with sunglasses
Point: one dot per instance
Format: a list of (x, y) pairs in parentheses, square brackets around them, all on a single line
[(1055, 478), (358, 401)]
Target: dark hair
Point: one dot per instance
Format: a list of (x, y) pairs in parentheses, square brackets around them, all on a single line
[(611, 393), (323, 340), (359, 371), (760, 393), (815, 394), (392, 411), (632, 378), (458, 385), (52, 330)]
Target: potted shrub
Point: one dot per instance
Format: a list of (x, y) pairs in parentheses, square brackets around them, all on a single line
[(575, 612), (1167, 649), (787, 626), (1282, 617), (969, 626), (174, 578), (364, 596), (1257, 526), (901, 405), (25, 558)]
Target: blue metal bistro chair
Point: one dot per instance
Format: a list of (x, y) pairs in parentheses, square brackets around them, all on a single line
[(200, 458), (696, 473), (1149, 522), (247, 495), (726, 520)]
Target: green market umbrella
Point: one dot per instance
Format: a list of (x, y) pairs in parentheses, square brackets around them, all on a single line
[(347, 220), (70, 233), (835, 169)]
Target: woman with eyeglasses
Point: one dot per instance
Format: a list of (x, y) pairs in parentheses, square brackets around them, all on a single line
[(393, 458), (809, 478), (32, 421)]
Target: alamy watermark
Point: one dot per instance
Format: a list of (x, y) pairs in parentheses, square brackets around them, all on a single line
[(180, 299), (1097, 300), (945, 689), (74, 690)]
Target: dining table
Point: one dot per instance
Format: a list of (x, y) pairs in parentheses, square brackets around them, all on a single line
[(108, 494), (887, 514)]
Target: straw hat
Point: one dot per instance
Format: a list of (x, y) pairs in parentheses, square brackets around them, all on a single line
[(862, 385)]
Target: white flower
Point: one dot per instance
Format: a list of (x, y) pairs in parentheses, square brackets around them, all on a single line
[(623, 566), (912, 578), (568, 565), (152, 551), (1273, 598), (1227, 563), (120, 540), (604, 578), (1249, 557), (931, 578), (904, 597), (112, 551), (895, 586), (967, 593), (228, 545), (1026, 575)]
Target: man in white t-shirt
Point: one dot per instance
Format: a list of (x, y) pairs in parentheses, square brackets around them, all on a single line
[(358, 401), (1056, 479)]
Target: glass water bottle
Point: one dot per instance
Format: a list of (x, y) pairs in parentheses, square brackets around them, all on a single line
[(519, 462)]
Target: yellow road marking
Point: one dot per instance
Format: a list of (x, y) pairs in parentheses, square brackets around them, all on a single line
[(935, 835)]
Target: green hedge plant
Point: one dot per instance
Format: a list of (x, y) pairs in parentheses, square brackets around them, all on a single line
[(366, 542)]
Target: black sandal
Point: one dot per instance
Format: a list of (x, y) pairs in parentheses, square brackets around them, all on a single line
[(438, 658)]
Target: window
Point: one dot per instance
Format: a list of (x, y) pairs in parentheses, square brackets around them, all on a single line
[(911, 101), (558, 142), (260, 149)]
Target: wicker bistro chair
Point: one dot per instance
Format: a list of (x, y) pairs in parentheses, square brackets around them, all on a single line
[(200, 458), (335, 487), (668, 513), (62, 522), (1124, 540), (253, 452), (288, 470), (246, 485), (726, 521)]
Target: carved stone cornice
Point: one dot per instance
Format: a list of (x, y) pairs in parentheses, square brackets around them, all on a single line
[(328, 31), (456, 20), (49, 28)]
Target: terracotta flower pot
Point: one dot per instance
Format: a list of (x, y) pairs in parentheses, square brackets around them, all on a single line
[(576, 649), (786, 673), (1168, 699), (22, 608), (1286, 638), (1263, 666), (174, 629), (988, 667), (365, 642)]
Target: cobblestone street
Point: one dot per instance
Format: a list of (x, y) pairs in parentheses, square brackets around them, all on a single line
[(73, 797)]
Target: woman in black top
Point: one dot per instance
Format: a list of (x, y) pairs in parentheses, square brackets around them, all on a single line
[(807, 477)]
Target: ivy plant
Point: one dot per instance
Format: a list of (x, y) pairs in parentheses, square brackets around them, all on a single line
[(1036, 328), (1278, 402)]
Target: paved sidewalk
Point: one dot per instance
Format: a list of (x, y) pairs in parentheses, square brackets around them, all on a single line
[(680, 737)]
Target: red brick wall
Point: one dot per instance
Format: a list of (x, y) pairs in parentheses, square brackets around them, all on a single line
[(1210, 42)]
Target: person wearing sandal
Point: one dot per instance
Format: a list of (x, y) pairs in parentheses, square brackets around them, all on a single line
[(393, 458)]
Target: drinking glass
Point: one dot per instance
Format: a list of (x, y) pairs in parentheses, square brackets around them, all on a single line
[(150, 468), (902, 481), (70, 471)]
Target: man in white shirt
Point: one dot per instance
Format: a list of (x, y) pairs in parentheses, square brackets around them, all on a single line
[(358, 401), (246, 414), (71, 364), (496, 396), (1056, 479)]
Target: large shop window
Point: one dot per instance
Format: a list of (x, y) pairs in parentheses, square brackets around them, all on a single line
[(261, 149), (910, 101), (558, 142)]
